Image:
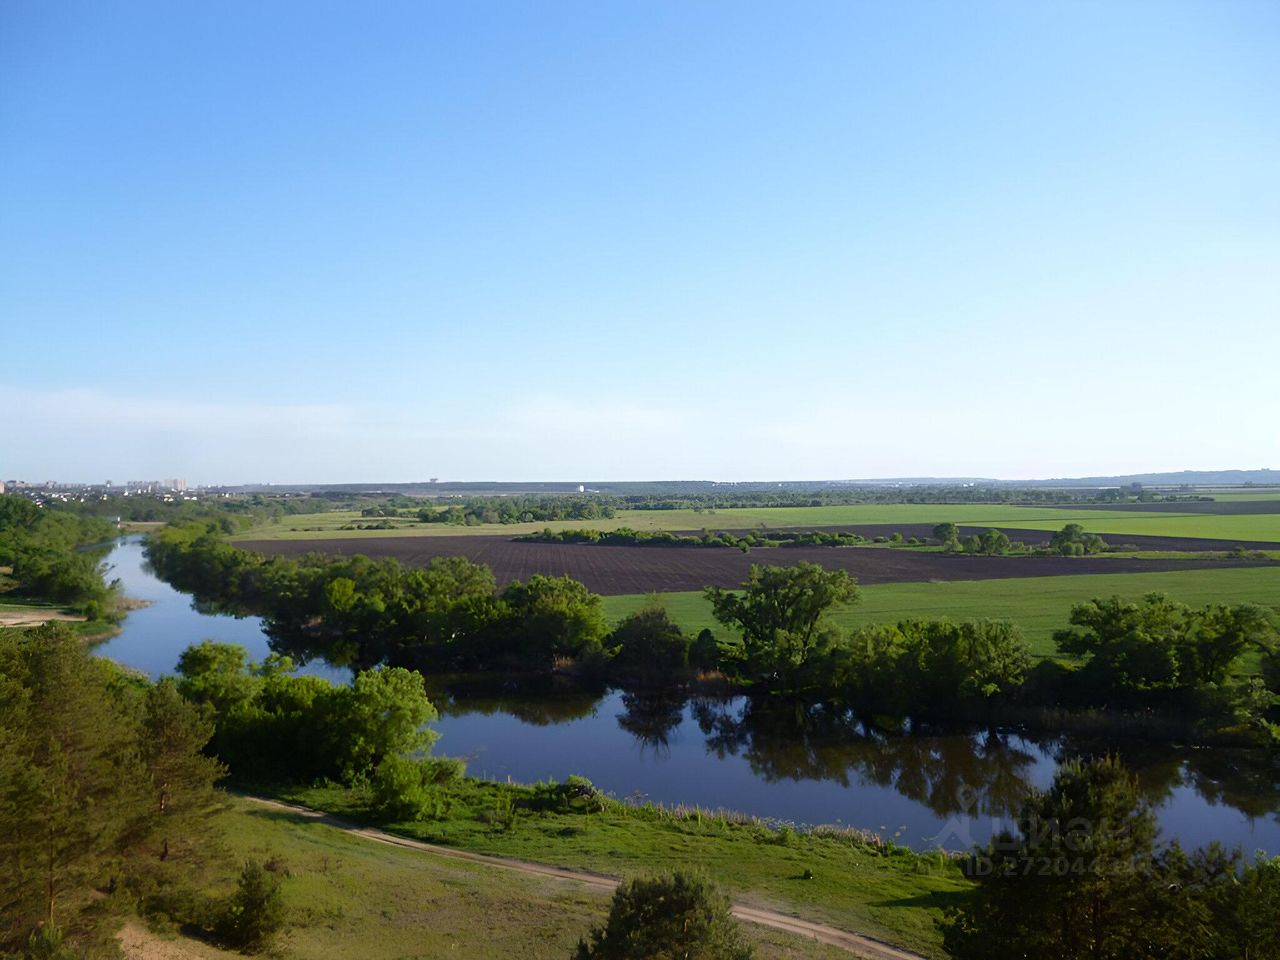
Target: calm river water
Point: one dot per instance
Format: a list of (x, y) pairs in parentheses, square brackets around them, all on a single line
[(806, 766)]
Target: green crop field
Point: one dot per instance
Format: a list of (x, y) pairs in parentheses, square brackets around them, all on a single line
[(1237, 527), (1039, 605)]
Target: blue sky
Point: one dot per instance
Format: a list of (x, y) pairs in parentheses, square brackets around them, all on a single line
[(332, 241)]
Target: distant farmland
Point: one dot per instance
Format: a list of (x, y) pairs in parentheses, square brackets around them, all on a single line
[(1256, 521)]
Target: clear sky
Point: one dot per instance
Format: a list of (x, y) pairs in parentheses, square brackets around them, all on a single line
[(291, 242)]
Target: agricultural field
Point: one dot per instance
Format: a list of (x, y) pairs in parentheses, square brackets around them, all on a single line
[(611, 570), (1039, 606), (1259, 523)]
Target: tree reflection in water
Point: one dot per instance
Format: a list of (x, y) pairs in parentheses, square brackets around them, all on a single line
[(651, 716), (951, 773), (985, 773)]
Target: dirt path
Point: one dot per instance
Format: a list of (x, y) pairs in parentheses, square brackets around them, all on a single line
[(856, 944), (34, 618)]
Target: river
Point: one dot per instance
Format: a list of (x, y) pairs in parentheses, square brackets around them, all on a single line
[(803, 766)]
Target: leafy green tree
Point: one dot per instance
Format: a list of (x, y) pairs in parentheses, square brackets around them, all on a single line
[(780, 613), (217, 674), (256, 911), (704, 652), (994, 543), (679, 916), (1132, 647), (1072, 539), (946, 533), (382, 714), (180, 777), (650, 647), (1073, 883), (1216, 638), (552, 617), (72, 782)]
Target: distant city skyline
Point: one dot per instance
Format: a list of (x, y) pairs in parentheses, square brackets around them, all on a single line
[(310, 243)]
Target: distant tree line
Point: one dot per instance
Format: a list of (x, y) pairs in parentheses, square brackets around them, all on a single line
[(473, 511)]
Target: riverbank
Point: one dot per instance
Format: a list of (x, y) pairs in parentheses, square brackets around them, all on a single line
[(347, 896), (848, 879)]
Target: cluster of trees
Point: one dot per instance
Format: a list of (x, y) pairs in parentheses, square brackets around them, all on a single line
[(103, 787), (1158, 653), (1071, 541), (477, 510), (627, 537), (361, 612), (270, 723), (1084, 877), (42, 556)]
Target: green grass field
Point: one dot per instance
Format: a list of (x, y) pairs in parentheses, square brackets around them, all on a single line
[(1240, 527), (350, 897), (1039, 605), (896, 896)]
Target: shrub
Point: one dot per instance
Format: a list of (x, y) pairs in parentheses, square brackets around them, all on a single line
[(256, 910), (676, 915)]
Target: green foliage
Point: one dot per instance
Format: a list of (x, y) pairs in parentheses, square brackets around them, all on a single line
[(1157, 649), (551, 617), (359, 612), (95, 770), (1083, 878), (1072, 540), (42, 548), (269, 722), (780, 612), (649, 647), (255, 912), (931, 667), (677, 916), (407, 788)]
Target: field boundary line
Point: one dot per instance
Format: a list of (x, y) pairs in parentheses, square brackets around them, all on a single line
[(859, 945)]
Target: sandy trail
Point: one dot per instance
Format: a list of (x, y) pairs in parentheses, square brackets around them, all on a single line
[(855, 944)]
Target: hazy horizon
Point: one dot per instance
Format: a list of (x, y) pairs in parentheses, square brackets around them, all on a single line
[(296, 243)]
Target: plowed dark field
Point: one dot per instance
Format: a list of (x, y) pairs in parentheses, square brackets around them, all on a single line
[(622, 570)]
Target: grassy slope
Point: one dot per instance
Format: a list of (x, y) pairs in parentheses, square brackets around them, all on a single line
[(350, 897), (1243, 527), (1039, 605), (896, 897)]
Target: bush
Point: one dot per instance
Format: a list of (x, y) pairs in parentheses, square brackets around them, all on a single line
[(407, 789), (676, 915), (256, 910)]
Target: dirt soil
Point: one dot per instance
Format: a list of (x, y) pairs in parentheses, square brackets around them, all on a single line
[(627, 570)]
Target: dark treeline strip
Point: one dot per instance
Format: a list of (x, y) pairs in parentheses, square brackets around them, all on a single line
[(43, 557), (474, 511), (627, 537), (238, 511)]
